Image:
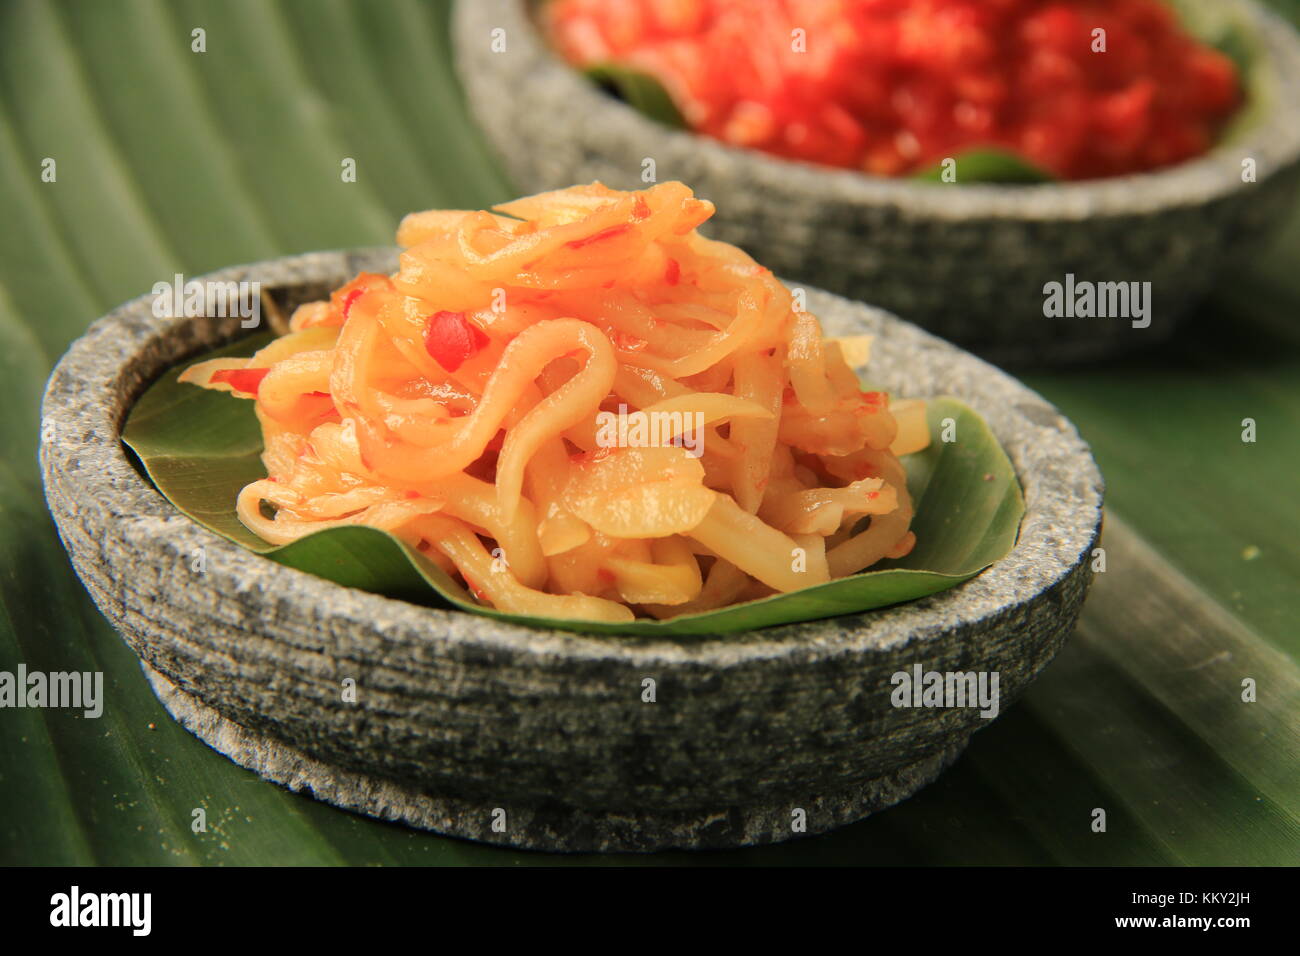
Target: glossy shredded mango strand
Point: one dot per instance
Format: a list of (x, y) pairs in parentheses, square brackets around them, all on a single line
[(466, 405)]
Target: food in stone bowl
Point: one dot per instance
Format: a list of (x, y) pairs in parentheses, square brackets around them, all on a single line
[(1062, 91), (422, 549), (578, 407), (946, 159)]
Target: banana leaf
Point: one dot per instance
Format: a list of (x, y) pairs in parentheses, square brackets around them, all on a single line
[(170, 160)]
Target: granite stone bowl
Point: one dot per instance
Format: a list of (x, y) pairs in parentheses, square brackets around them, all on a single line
[(968, 262), (535, 737)]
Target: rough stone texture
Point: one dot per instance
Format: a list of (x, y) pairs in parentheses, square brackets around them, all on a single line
[(539, 825), (967, 262), (458, 714)]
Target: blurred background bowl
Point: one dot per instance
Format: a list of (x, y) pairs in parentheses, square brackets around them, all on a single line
[(968, 262)]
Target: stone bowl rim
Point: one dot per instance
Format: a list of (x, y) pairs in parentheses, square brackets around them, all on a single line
[(102, 356), (1273, 139)]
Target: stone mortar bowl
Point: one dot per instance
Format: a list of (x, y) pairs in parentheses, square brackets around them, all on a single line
[(458, 716), (967, 262)]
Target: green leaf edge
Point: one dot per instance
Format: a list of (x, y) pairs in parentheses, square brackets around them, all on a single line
[(991, 165), (639, 90), (420, 581)]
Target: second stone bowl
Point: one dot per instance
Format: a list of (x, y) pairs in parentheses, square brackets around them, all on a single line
[(968, 262), (540, 738)]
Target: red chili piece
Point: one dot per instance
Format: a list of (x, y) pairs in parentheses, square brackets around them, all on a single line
[(451, 339)]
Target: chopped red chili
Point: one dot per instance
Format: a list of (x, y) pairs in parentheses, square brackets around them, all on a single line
[(349, 299), (451, 339), (246, 380)]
